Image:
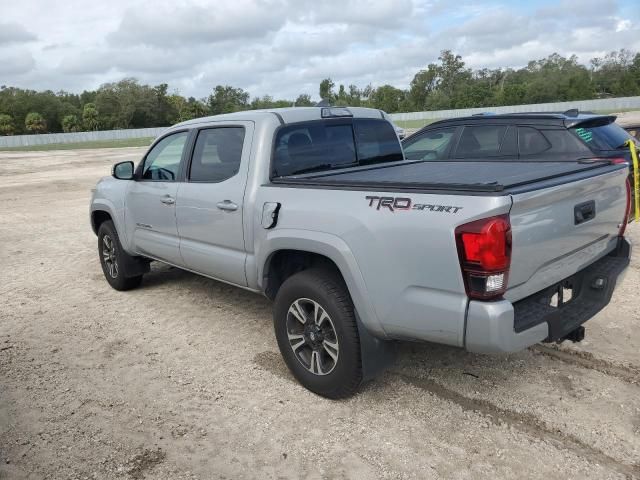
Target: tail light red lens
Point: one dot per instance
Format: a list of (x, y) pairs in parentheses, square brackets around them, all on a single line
[(484, 250), (627, 210), (618, 161)]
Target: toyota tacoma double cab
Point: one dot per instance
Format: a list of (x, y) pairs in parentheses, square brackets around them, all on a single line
[(319, 210)]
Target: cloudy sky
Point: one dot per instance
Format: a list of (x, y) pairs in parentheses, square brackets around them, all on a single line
[(285, 47)]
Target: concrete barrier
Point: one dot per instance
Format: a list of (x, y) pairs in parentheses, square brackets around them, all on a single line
[(77, 137), (605, 104)]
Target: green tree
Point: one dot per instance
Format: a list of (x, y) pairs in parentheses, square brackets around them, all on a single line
[(423, 84), (164, 109), (303, 100), (6, 124), (194, 109), (70, 123), (127, 104), (35, 123), (388, 98), (90, 117), (227, 99), (326, 90)]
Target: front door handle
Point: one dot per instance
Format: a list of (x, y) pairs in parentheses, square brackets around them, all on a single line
[(168, 200), (227, 206)]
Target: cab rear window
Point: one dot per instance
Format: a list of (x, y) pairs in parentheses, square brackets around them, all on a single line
[(324, 145)]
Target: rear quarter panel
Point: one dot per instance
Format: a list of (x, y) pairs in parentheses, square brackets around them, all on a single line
[(406, 258)]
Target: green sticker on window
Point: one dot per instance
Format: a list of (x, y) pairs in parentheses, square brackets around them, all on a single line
[(584, 134)]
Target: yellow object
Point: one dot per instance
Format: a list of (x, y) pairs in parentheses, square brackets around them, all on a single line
[(636, 177)]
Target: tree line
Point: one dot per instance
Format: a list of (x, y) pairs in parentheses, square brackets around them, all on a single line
[(445, 84)]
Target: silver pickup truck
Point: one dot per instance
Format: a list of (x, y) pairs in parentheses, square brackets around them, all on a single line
[(318, 209)]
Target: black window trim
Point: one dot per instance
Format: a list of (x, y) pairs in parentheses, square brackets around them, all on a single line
[(457, 129), (330, 121), (540, 131), (477, 124), (192, 147), (183, 158)]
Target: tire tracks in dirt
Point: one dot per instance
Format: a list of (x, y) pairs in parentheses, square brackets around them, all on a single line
[(526, 423), (628, 374)]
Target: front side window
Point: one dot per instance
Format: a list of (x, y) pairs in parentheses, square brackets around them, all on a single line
[(431, 145), (217, 154), (481, 141), (163, 161)]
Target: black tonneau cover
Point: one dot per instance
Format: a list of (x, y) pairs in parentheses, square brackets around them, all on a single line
[(484, 176)]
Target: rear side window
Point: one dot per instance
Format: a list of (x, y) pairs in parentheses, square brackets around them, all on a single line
[(217, 154), (481, 141), (430, 145), (531, 141), (604, 137), (562, 141), (327, 145)]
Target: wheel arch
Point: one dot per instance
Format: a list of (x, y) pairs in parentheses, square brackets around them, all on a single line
[(98, 217), (289, 252)]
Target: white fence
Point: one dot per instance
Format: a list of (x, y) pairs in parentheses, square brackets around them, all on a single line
[(607, 104), (49, 138), (610, 104)]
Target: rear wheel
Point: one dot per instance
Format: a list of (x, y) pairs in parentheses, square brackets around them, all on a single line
[(113, 257), (317, 333)]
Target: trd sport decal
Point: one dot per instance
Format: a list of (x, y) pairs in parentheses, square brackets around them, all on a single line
[(403, 203)]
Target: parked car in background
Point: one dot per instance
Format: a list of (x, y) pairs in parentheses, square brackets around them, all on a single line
[(633, 130), (533, 137)]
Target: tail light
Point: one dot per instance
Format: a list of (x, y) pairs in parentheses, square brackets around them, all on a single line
[(484, 250), (627, 210), (618, 160)]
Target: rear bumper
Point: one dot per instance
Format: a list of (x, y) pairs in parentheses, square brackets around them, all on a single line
[(503, 327)]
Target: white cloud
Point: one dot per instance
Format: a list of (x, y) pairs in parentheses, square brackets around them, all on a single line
[(11, 33), (286, 47)]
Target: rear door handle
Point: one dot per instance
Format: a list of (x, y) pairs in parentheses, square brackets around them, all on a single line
[(168, 200), (227, 206)]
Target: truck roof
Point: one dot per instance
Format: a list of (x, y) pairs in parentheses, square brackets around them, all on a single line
[(284, 115)]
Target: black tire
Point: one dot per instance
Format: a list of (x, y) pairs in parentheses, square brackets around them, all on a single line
[(114, 267), (339, 377)]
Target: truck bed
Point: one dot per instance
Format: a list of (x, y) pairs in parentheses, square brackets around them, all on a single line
[(498, 177)]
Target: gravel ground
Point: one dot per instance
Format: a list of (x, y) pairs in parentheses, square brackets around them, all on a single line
[(182, 378)]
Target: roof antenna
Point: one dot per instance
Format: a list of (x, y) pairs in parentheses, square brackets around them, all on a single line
[(572, 112), (323, 103)]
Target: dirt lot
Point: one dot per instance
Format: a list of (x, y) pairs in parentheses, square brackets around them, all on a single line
[(182, 378)]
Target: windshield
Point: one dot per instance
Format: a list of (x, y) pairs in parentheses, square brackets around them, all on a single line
[(329, 144), (604, 137)]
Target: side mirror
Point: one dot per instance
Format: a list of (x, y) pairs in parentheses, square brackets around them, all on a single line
[(123, 171)]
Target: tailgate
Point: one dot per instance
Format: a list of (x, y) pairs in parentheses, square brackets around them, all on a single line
[(560, 230)]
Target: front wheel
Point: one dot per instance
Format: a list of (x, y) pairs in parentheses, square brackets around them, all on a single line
[(113, 258), (317, 333)]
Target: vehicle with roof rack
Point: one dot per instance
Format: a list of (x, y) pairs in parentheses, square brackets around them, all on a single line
[(318, 209)]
